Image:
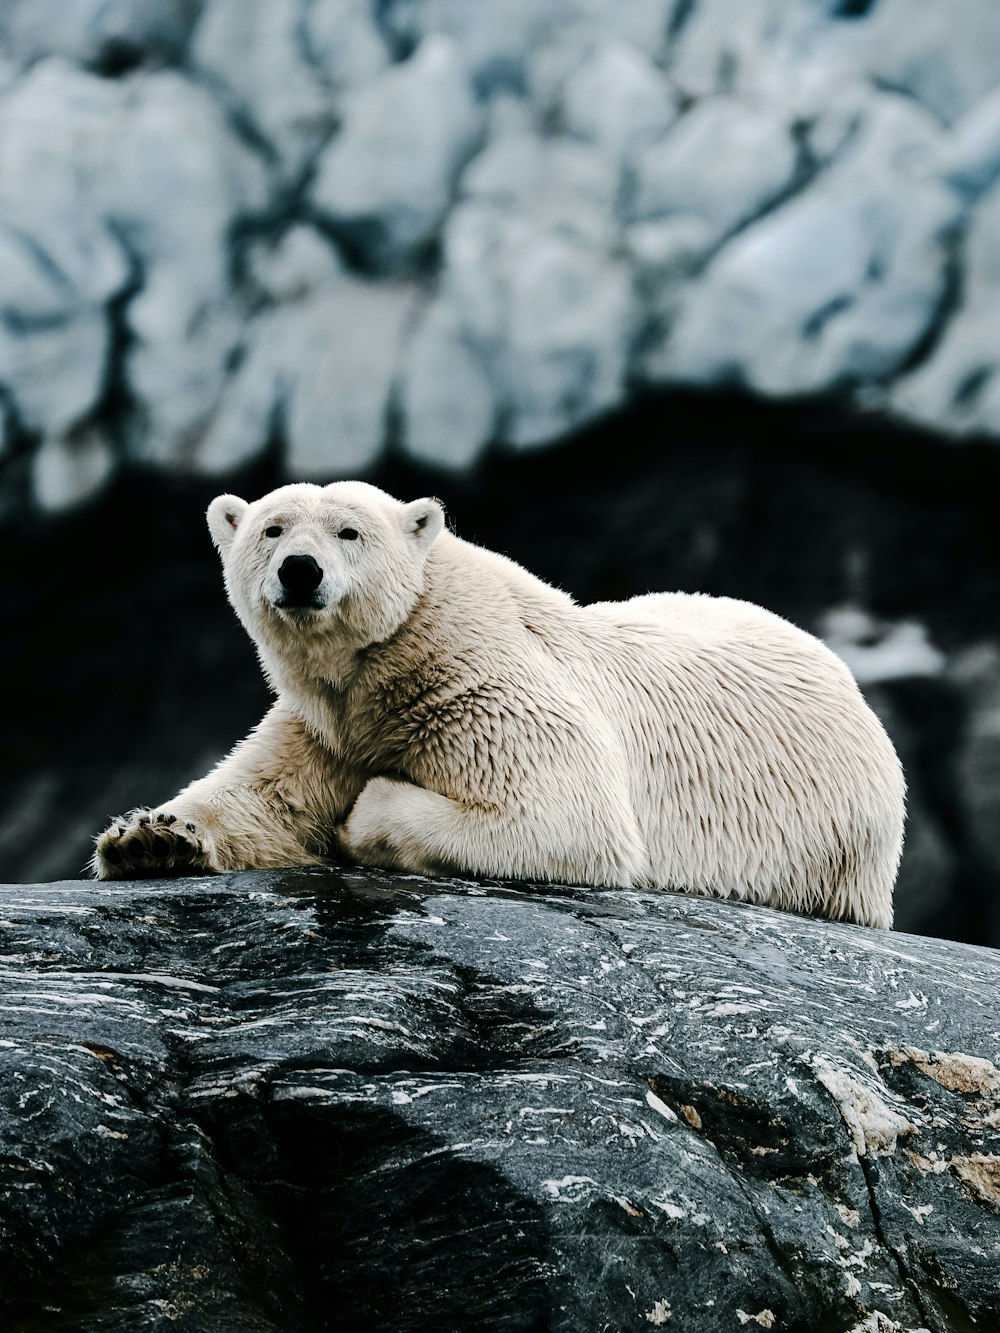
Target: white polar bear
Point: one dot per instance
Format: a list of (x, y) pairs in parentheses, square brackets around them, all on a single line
[(440, 710)]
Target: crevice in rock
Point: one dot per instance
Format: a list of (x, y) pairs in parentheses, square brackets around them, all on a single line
[(194, 1243), (303, 42), (652, 325), (383, 1257), (970, 389), (727, 71), (868, 1169), (401, 38), (747, 1171), (118, 58), (853, 9), (237, 115), (287, 207), (19, 445), (804, 173), (948, 304), (819, 319), (361, 242), (680, 15), (869, 1172), (116, 403), (307, 52), (723, 1125), (885, 85), (42, 257), (21, 323)]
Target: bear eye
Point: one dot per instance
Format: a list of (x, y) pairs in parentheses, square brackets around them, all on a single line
[(272, 532), (348, 534)]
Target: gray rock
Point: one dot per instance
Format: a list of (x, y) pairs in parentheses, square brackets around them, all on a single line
[(305, 1100), (300, 262), (531, 269), (54, 336), (176, 193), (837, 286), (569, 318), (793, 231), (975, 675), (791, 56), (61, 263), (957, 391), (721, 164), (943, 55), (448, 403), (508, 114), (287, 65), (158, 174), (798, 55), (322, 370), (969, 158), (348, 342), (493, 39), (386, 180), (344, 43), (245, 418), (554, 183), (665, 251), (618, 100), (68, 472), (8, 72), (95, 31), (502, 41)]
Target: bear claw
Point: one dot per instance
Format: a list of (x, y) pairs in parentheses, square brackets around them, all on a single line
[(148, 843)]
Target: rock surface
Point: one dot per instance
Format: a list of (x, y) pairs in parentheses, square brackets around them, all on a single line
[(387, 179), (345, 1100), (836, 287), (594, 197), (109, 34)]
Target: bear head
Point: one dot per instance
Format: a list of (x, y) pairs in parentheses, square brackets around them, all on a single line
[(308, 564)]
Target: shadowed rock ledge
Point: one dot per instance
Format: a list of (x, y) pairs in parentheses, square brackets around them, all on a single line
[(304, 1101)]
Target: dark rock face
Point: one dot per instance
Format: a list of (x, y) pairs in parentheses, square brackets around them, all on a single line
[(303, 1101)]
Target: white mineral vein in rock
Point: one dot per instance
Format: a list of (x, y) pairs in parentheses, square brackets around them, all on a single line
[(874, 1126), (659, 1106)]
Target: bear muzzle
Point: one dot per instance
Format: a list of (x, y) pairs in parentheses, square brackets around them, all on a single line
[(300, 576)]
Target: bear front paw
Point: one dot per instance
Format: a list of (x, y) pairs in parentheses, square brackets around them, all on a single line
[(366, 836), (387, 827), (148, 844)]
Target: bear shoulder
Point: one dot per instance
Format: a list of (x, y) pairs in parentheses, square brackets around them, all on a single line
[(475, 587)]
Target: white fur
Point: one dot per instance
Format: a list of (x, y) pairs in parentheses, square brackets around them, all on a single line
[(445, 711)]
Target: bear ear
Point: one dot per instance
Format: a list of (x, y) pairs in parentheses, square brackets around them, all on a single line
[(423, 520), (225, 514)]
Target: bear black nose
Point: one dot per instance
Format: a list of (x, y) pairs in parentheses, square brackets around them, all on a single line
[(300, 573)]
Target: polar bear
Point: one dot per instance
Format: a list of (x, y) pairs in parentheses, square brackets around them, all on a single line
[(442, 711)]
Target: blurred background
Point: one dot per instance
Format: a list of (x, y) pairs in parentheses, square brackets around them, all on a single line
[(698, 294)]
